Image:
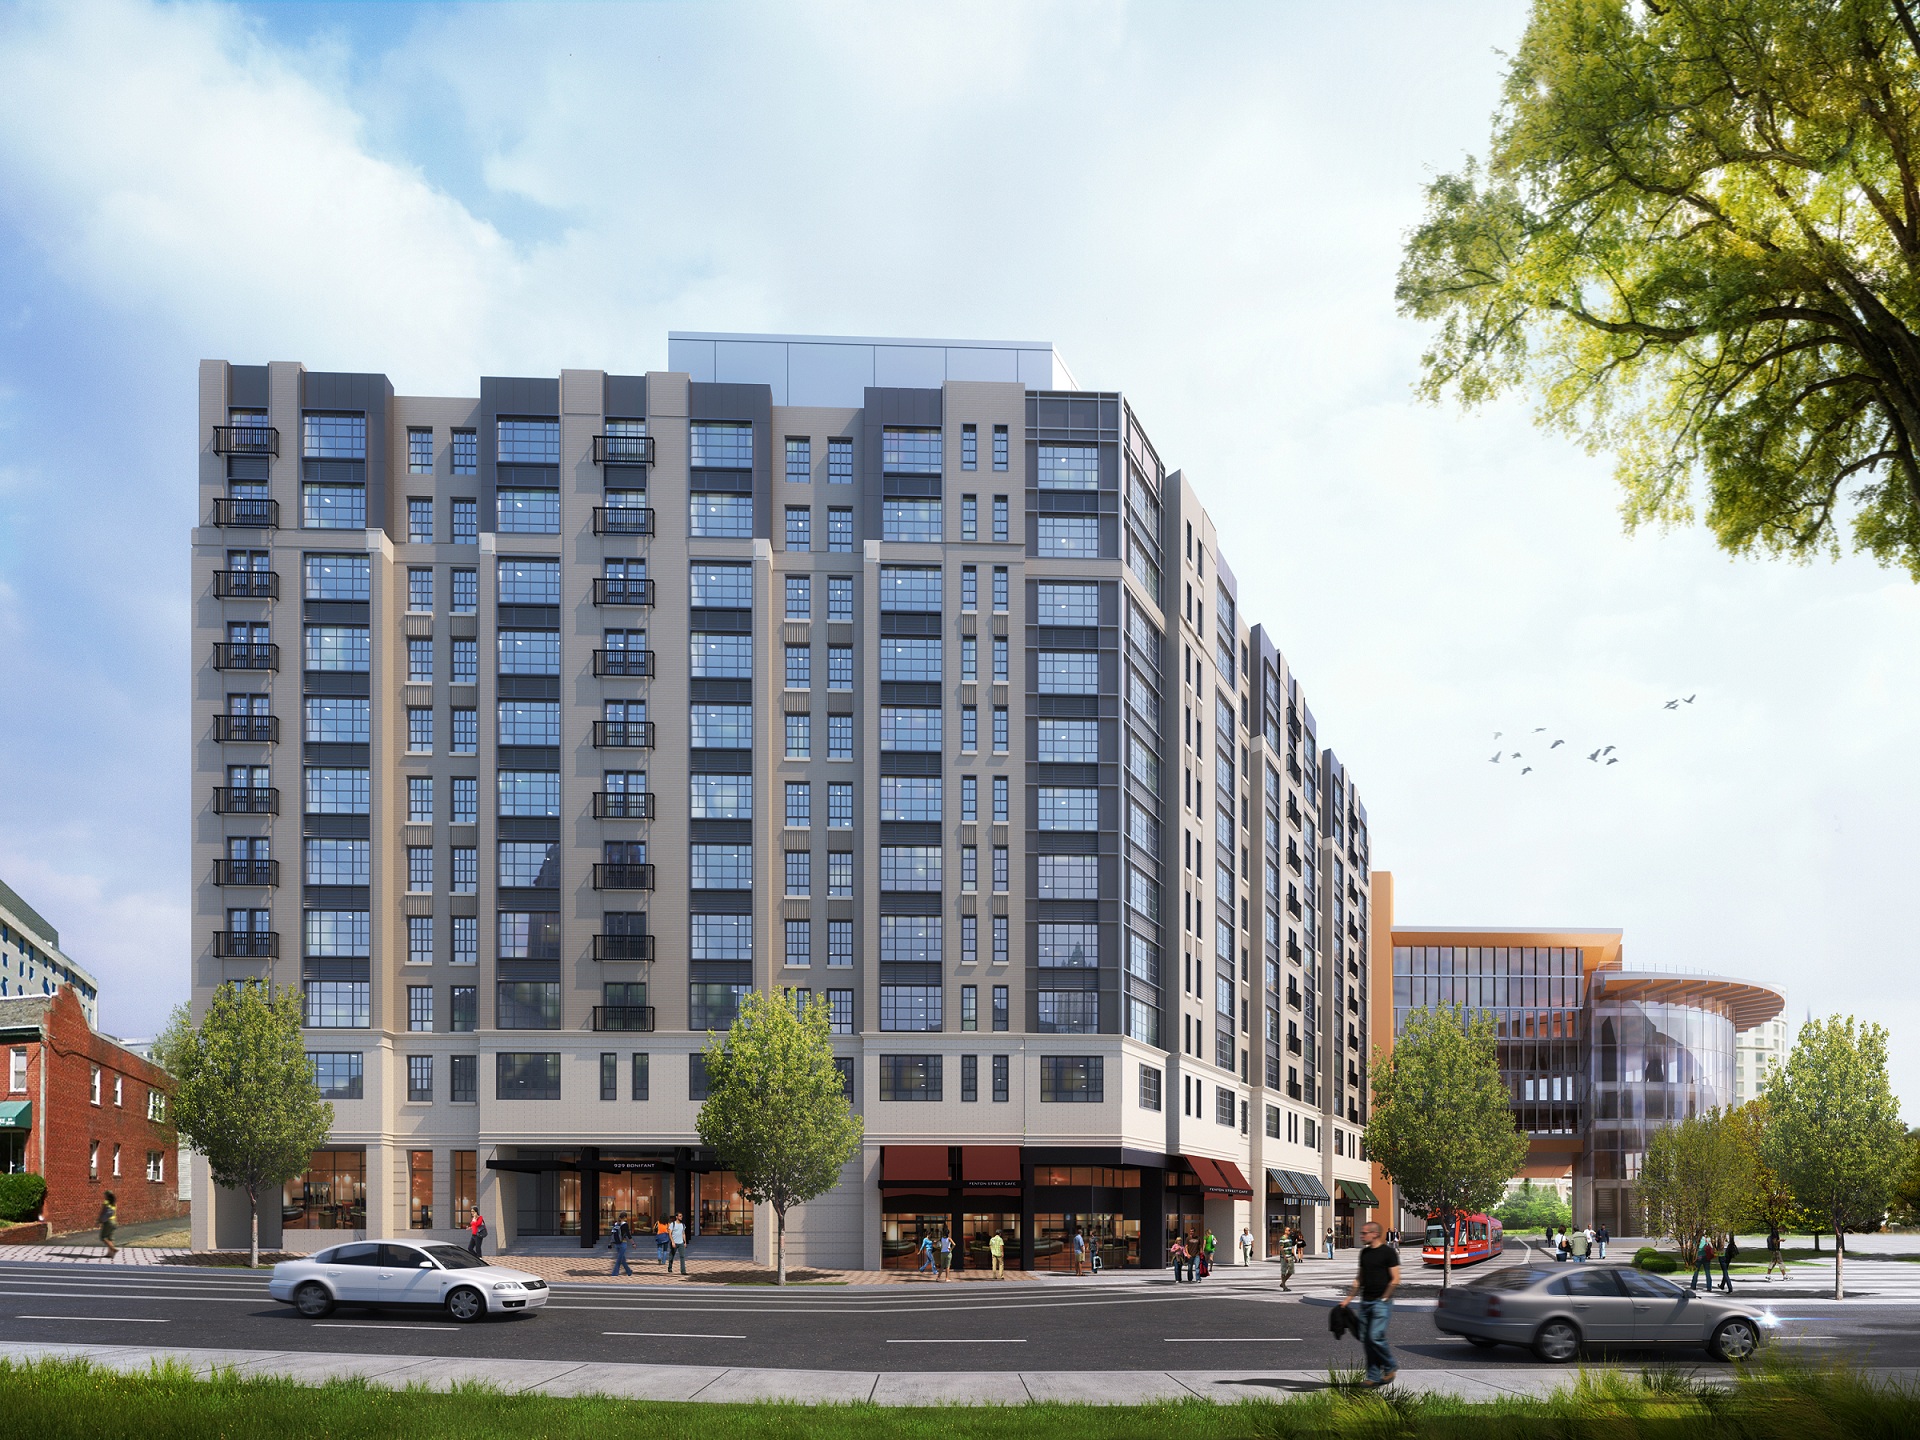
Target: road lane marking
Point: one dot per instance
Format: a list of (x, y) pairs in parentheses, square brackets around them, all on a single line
[(957, 1341), (670, 1335), (109, 1319), (337, 1325), (125, 1295), (1234, 1339)]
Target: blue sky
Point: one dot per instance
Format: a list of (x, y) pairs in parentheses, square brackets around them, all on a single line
[(1200, 205)]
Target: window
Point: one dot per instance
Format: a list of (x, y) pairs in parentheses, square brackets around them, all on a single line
[(799, 872), (466, 731), (1059, 808), (420, 589), (909, 728), (463, 1016), (1000, 588), (93, 1084), (799, 527), (156, 1101), (1000, 663), (156, 1165), (1068, 1012), (522, 652), (1068, 877), (1068, 467), (839, 667), (714, 1006), (839, 874), (336, 862), (419, 1007), (1000, 938), (969, 1007), (720, 516), (840, 941), (337, 647), (722, 657), (465, 1086), (969, 447), (914, 659), (799, 667), (1000, 869), (337, 1004), (466, 940), (420, 661), (420, 799), (1000, 518), (529, 442), (799, 460), (336, 577), (1072, 1079), (999, 447), (969, 659), (340, 721), (722, 727), (969, 517), (839, 806), (523, 1075), (910, 1007), (1068, 672), (722, 445), (799, 730), (466, 800), (969, 868), (799, 597), (339, 1074), (839, 737), (609, 1076), (641, 1080), (969, 728), (1002, 1064), (910, 797), (526, 863), (799, 810), (529, 935), (722, 867), (913, 521), (1000, 1009), (1062, 604), (333, 507), (840, 597), (1150, 1090), (910, 867), (527, 1005), (420, 730), (119, 1093), (1222, 1107), (840, 530), (799, 946), (528, 512), (1067, 741), (1002, 730), (910, 1077), (466, 452), (466, 522), (334, 934), (910, 939), (466, 662), (419, 1077), (419, 521)]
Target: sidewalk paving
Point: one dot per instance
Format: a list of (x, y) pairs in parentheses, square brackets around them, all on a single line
[(715, 1383)]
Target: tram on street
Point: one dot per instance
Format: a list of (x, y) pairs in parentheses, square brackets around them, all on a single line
[(1475, 1238)]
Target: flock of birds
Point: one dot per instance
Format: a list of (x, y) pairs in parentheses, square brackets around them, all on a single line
[(1603, 755)]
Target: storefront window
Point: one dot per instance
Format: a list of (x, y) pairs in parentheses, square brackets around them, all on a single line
[(724, 1209), (1115, 1236), (645, 1198), (331, 1195), (550, 1202), (982, 1228), (900, 1238), (420, 1189), (466, 1186)]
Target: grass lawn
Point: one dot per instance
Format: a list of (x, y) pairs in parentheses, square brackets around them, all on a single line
[(50, 1400)]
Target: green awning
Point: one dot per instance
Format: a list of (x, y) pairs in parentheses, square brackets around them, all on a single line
[(16, 1114), (1358, 1192)]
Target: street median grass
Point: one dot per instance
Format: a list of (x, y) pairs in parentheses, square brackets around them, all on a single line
[(54, 1399)]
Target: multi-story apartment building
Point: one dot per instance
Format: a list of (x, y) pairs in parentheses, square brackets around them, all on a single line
[(901, 672), (31, 961), (1757, 1053)]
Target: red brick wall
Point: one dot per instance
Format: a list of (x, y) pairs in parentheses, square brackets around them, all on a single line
[(71, 1124)]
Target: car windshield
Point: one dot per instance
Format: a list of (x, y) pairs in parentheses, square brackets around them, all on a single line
[(1436, 1235), (452, 1257), (1514, 1279)]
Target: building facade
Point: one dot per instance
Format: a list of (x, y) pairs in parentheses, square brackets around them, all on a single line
[(1595, 1055), (85, 1112), (903, 673), (1757, 1053), (31, 962)]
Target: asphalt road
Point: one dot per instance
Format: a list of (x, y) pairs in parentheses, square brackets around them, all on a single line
[(1091, 1325)]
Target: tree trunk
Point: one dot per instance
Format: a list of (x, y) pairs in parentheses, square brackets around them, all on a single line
[(253, 1221), (780, 1244), (1446, 1254), (1839, 1266)]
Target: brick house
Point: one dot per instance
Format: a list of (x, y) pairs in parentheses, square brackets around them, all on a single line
[(86, 1112)]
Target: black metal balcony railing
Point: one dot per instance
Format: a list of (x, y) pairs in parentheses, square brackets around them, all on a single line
[(246, 942), (623, 734), (1293, 858), (635, 664), (622, 520), (230, 656), (623, 877), (1293, 906), (247, 729), (246, 800), (246, 585), (623, 947), (623, 592), (246, 440), (623, 1017), (623, 449), (623, 805), (245, 514), (246, 872)]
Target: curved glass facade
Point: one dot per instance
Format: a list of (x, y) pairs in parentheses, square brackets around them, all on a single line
[(1652, 1062)]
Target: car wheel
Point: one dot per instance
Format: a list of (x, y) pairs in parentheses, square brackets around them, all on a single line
[(1481, 1342), (466, 1304), (1557, 1342), (1735, 1340), (313, 1301)]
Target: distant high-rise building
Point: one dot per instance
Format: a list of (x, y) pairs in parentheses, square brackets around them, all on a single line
[(1756, 1054), (31, 961)]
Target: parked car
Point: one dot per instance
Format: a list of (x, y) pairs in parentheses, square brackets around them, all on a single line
[(1556, 1312), (385, 1272)]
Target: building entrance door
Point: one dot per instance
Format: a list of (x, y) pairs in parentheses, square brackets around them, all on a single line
[(644, 1197)]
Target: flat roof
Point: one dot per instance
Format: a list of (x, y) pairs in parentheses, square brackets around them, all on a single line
[(835, 371)]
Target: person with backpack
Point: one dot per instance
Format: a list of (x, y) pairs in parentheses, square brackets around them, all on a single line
[(476, 1232), (663, 1244), (1177, 1252), (1727, 1257), (1702, 1262), (622, 1232)]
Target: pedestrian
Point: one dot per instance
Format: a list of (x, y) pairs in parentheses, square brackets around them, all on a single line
[(1702, 1262), (1727, 1257), (476, 1232), (1079, 1249), (926, 1255), (109, 1222), (1329, 1242), (1601, 1236), (997, 1252), (1206, 1253), (663, 1244), (621, 1231), (677, 1241), (946, 1255), (1376, 1280), (1246, 1246), (1773, 1253), (1286, 1259), (1562, 1250), (1177, 1252), (1577, 1246)]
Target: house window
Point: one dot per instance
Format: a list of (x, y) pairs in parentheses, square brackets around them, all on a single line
[(157, 1166), (1150, 1092), (93, 1085), (839, 806), (1074, 1079), (999, 447), (969, 447), (840, 530), (419, 1078), (799, 527), (420, 729), (840, 597), (799, 460), (910, 1077), (527, 1076), (1002, 1064), (1000, 527), (799, 729), (466, 452), (1000, 1007), (799, 948), (419, 521), (839, 736), (970, 1077), (464, 1088), (799, 597), (420, 1007), (969, 517), (839, 947), (839, 461)]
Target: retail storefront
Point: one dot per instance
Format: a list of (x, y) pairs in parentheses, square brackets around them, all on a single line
[(1293, 1201), (1353, 1196), (583, 1191)]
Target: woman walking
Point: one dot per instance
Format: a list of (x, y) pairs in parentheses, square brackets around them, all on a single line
[(1773, 1254), (109, 1222), (1286, 1258)]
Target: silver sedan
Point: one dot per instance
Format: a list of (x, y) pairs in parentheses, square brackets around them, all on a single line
[(384, 1272), (1555, 1312)]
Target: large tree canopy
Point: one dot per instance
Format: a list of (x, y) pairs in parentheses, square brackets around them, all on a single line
[(1696, 238)]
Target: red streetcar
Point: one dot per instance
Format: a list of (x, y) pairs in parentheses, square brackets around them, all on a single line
[(1475, 1238)]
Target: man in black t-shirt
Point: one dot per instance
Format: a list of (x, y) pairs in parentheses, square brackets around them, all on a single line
[(1378, 1278)]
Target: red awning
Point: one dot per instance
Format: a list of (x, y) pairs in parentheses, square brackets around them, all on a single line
[(915, 1165), (1236, 1181), (1219, 1177), (994, 1167)]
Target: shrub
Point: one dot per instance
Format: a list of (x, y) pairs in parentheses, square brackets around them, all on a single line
[(1644, 1254), (1657, 1264), (20, 1196)]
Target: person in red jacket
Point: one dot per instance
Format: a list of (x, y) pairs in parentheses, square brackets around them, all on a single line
[(476, 1232)]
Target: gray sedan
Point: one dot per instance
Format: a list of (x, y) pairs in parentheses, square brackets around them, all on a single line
[(1555, 1312)]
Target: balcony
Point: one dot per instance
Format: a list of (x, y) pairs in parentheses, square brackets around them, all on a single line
[(635, 664), (1293, 858), (623, 1017), (246, 872), (231, 514), (246, 440), (623, 592), (1293, 906), (622, 520), (623, 734), (246, 584), (623, 947), (623, 877), (623, 450), (230, 656), (247, 729), (632, 805), (238, 943), (246, 800)]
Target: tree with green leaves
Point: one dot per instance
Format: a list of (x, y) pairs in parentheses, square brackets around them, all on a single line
[(776, 1109), (1906, 1194), (1834, 1132), (1695, 239), (1771, 1205), (1532, 1207), (1696, 1179), (247, 1098), (1442, 1127)]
